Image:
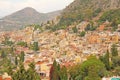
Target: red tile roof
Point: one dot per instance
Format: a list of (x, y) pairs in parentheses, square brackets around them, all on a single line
[(1, 78), (7, 79)]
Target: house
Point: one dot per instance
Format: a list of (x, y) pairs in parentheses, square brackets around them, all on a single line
[(101, 27), (5, 76), (7, 79), (106, 78)]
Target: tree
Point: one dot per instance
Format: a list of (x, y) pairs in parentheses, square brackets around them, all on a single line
[(23, 44), (22, 56), (3, 54), (117, 71), (22, 74), (9, 70), (91, 69), (75, 30), (63, 73), (74, 72), (105, 60), (96, 12), (92, 66), (82, 34), (7, 42), (35, 46), (31, 73), (92, 74), (54, 71), (112, 16), (114, 50), (88, 27), (16, 61), (116, 61)]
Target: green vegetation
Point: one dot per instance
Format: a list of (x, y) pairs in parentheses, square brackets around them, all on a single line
[(34, 46), (92, 69), (63, 73), (13, 65), (3, 54), (58, 73), (116, 61), (97, 11), (7, 41), (16, 60), (58, 27), (90, 27), (23, 74), (117, 71), (111, 61), (37, 27), (23, 44), (115, 58), (105, 60), (112, 16), (75, 30), (80, 10), (82, 34), (22, 56), (54, 71), (114, 50)]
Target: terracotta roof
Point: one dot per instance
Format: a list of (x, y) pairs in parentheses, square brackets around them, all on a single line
[(1, 78), (101, 27), (7, 79)]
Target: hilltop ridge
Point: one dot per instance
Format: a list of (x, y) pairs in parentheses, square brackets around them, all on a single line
[(81, 10), (26, 16)]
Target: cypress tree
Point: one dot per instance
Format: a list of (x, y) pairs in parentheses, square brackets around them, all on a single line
[(114, 50), (63, 73), (16, 61), (105, 60), (35, 46), (54, 71), (3, 55), (31, 73), (23, 74), (22, 56)]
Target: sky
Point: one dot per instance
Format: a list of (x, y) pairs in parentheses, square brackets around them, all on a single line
[(44, 6)]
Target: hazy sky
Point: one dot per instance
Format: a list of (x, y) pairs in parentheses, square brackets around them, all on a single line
[(43, 6)]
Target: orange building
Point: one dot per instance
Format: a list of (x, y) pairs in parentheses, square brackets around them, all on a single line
[(7, 79), (101, 27), (93, 39)]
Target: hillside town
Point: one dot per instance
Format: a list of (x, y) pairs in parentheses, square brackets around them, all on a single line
[(64, 46)]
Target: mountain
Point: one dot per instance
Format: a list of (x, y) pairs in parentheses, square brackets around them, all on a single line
[(25, 17), (81, 10), (52, 15)]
